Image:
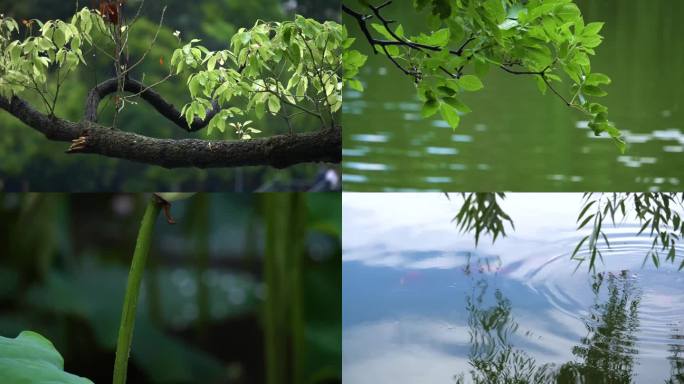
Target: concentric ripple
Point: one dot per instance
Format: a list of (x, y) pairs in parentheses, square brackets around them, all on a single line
[(628, 306)]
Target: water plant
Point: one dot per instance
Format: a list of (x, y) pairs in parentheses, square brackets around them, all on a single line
[(33, 357), (293, 311), (135, 276)]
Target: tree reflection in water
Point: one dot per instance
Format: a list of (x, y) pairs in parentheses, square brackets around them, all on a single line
[(676, 360), (606, 355), (608, 352), (493, 358)]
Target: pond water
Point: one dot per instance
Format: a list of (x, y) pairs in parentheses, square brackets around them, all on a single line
[(423, 304), (517, 139)]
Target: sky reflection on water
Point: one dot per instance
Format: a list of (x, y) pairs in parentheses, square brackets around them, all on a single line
[(406, 290)]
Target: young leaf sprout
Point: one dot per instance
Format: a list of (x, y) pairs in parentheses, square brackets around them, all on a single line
[(243, 131)]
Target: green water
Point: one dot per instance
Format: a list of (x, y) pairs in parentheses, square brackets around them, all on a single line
[(517, 139)]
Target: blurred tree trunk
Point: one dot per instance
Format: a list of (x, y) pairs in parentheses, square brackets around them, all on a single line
[(285, 216)]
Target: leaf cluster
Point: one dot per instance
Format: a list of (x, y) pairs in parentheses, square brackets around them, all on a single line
[(55, 47), (481, 213), (660, 214), (545, 39), (273, 68)]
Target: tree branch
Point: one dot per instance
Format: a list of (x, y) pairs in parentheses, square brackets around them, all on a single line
[(281, 151), (165, 108), (362, 21)]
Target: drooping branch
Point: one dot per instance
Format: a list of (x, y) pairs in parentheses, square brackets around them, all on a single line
[(148, 94), (280, 151), (362, 21)]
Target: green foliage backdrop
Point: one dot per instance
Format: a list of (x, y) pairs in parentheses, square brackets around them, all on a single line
[(31, 162)]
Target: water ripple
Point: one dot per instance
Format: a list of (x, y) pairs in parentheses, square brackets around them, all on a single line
[(656, 293)]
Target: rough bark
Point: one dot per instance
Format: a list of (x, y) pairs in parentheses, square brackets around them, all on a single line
[(165, 108), (324, 145)]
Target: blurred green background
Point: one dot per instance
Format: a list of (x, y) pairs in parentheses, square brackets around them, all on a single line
[(31, 162), (240, 277)]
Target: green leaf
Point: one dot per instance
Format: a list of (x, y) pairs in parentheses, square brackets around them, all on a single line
[(579, 245), (354, 58), (585, 209), (592, 29), (454, 102), (597, 79), (450, 114), (586, 221), (194, 86), (273, 104), (59, 37), (430, 107), (383, 31), (470, 83), (31, 358), (439, 38), (355, 84), (260, 110), (541, 84), (671, 255), (592, 90)]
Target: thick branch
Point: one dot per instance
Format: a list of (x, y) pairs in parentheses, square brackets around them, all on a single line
[(165, 108), (278, 151)]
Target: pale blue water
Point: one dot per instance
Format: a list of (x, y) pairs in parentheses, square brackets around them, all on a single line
[(408, 276)]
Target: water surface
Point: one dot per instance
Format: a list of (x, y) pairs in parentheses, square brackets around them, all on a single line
[(423, 304), (517, 139)]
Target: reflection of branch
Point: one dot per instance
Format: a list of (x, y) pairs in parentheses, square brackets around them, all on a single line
[(676, 359), (608, 350), (493, 357), (165, 108), (324, 145)]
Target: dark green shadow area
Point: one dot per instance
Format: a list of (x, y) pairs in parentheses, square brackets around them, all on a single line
[(230, 294)]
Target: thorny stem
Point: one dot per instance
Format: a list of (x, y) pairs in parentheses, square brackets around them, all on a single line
[(142, 247)]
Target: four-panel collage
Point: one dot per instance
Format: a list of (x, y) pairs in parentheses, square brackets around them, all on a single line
[(341, 191)]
